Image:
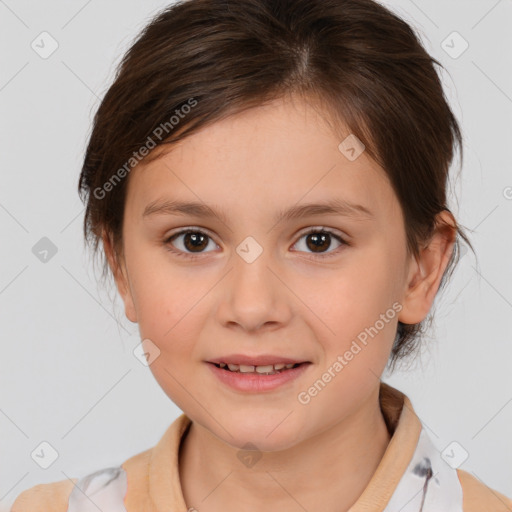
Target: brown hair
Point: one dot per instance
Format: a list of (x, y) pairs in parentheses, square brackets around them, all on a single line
[(199, 61)]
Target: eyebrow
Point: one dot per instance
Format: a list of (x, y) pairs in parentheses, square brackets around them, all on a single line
[(337, 206)]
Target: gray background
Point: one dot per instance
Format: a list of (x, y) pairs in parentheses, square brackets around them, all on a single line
[(68, 374)]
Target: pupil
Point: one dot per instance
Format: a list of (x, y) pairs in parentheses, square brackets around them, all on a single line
[(197, 240), (318, 239)]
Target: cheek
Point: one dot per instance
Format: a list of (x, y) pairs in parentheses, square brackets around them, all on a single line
[(171, 314), (363, 308), (162, 293), (167, 314)]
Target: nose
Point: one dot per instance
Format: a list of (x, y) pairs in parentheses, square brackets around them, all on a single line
[(253, 296)]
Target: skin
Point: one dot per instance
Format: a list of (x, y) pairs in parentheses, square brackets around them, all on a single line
[(290, 301)]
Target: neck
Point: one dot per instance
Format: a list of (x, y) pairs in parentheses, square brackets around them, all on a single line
[(327, 472)]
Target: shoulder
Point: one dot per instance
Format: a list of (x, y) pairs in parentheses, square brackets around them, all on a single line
[(106, 484), (52, 497), (105, 489), (478, 497)]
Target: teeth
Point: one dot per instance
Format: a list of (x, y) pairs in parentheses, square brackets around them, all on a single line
[(265, 369), (269, 368)]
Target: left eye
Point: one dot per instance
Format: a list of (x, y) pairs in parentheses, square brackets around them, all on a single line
[(319, 240)]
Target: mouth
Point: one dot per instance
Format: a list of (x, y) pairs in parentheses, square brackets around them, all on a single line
[(268, 369), (257, 378)]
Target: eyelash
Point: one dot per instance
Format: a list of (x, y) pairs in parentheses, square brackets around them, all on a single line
[(191, 256)]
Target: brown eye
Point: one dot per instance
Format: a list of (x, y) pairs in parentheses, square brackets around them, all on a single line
[(190, 241), (195, 241), (319, 241)]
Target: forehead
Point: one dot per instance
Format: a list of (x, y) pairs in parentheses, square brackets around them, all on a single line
[(280, 153)]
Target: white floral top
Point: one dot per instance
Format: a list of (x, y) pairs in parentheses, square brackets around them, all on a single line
[(428, 485)]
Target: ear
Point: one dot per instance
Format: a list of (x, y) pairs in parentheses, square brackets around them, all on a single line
[(120, 276), (426, 271)]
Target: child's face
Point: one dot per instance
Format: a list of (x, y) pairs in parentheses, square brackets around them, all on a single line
[(290, 301)]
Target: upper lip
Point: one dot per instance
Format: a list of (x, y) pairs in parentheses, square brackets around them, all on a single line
[(260, 360)]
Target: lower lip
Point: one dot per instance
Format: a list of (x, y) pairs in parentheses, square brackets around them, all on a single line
[(256, 382)]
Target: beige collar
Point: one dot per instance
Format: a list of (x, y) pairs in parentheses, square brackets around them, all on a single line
[(164, 483)]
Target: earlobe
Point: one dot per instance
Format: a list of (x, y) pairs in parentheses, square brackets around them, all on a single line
[(120, 279), (427, 269)]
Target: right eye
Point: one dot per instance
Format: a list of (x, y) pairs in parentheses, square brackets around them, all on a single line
[(189, 242)]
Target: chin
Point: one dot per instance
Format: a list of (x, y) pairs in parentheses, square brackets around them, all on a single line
[(265, 433)]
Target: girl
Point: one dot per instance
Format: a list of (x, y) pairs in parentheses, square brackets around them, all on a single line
[(267, 180)]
